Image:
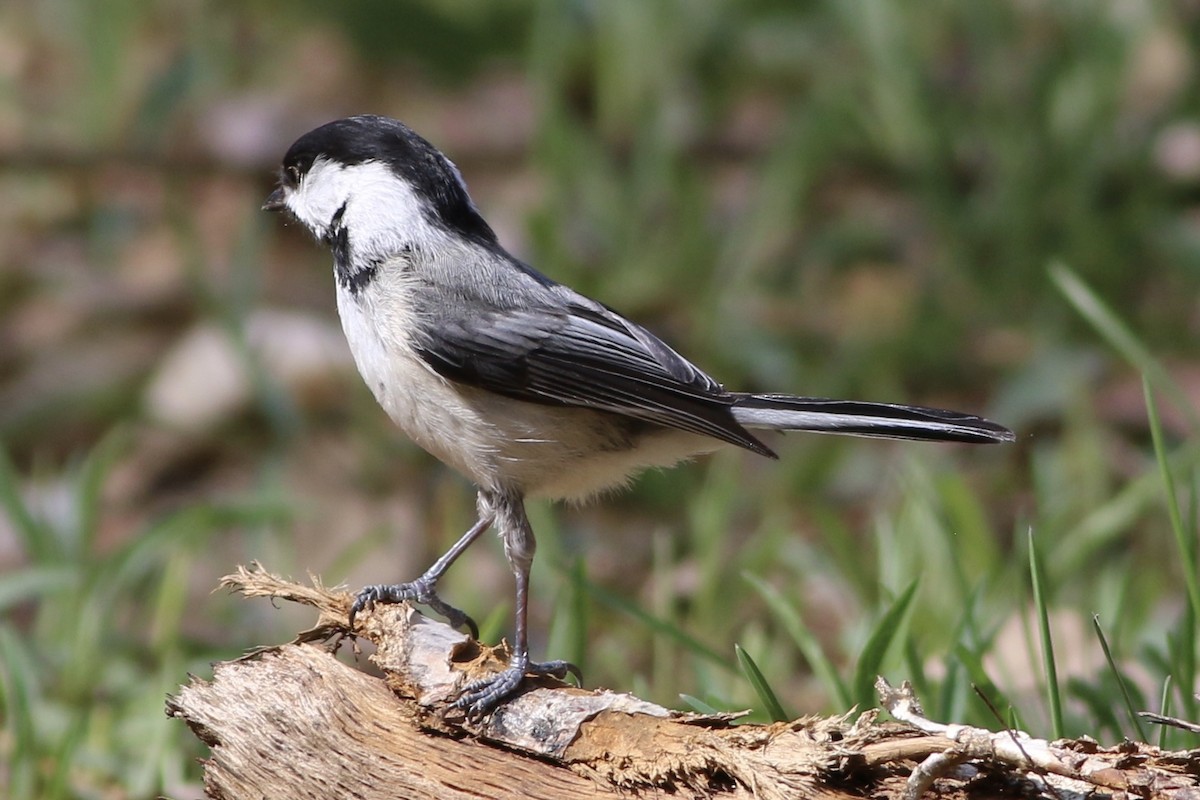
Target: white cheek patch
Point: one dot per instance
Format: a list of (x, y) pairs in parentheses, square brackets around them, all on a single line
[(320, 194), (383, 214)]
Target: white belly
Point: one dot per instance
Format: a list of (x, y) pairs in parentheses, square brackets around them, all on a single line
[(541, 450)]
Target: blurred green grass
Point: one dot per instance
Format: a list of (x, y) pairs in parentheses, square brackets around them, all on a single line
[(988, 206)]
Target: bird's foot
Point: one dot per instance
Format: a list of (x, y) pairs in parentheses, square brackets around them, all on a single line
[(479, 697), (419, 591)]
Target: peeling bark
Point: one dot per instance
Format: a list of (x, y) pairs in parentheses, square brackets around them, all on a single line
[(295, 722)]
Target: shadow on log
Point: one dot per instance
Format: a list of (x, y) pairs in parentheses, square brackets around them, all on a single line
[(294, 722)]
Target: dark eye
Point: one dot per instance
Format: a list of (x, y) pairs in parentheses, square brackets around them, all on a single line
[(293, 174)]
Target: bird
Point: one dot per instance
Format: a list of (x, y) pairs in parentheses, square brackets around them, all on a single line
[(521, 384)]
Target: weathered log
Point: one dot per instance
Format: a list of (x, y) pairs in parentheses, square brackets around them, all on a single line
[(295, 722)]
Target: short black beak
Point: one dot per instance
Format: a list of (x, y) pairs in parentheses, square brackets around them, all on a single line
[(275, 201)]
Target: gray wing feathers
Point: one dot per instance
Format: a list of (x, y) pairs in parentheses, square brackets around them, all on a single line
[(581, 355)]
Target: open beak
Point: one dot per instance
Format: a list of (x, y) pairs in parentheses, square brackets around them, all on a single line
[(275, 201)]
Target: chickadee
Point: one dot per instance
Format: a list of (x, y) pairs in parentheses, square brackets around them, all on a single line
[(523, 385)]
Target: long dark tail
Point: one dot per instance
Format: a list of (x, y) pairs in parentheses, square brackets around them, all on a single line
[(782, 412)]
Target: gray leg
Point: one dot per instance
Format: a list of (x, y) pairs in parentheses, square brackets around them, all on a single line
[(481, 696), (422, 589)]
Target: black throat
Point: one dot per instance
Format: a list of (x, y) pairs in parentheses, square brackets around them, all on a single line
[(353, 277)]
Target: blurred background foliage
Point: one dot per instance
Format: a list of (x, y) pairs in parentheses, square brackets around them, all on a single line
[(842, 198)]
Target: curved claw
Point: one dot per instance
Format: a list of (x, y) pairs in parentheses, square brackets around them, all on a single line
[(479, 697), (456, 617), (416, 591), (564, 668), (368, 596)]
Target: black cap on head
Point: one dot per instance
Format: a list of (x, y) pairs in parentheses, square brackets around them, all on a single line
[(370, 138)]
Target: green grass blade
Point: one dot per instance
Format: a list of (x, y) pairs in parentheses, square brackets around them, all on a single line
[(1098, 700), (763, 689), (698, 705), (1053, 692), (35, 538), (88, 486), (568, 632), (59, 779), (1110, 520), (170, 601), (950, 697), (915, 666), (494, 626), (664, 658), (709, 520), (20, 693), (1181, 660), (1122, 339), (689, 642), (980, 680), (1112, 665), (808, 644), (1164, 708), (1183, 541), (870, 663), (30, 583)]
